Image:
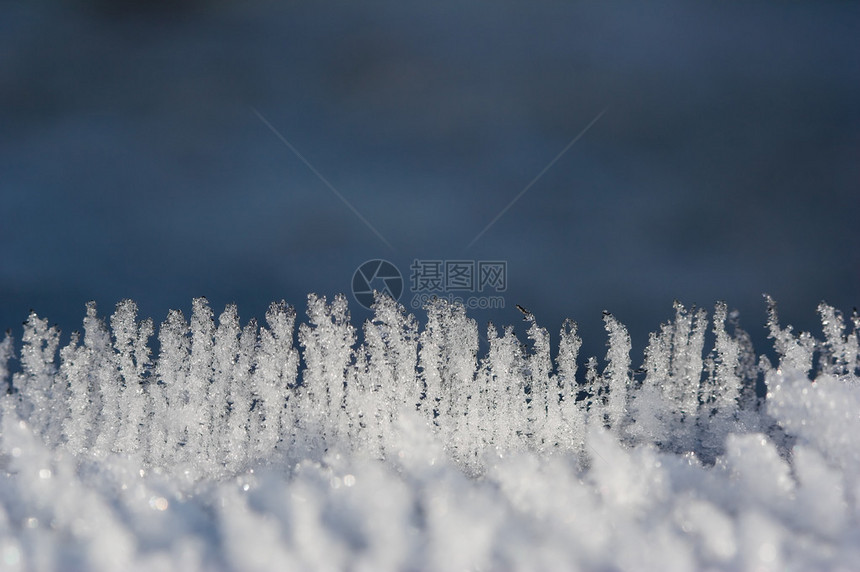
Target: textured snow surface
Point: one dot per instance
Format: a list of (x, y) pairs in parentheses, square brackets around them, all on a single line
[(242, 447)]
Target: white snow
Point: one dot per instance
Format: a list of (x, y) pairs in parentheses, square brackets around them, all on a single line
[(297, 448)]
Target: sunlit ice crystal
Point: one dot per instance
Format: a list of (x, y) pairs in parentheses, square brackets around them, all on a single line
[(310, 443)]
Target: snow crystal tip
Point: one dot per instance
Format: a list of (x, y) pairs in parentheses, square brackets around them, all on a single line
[(527, 316)]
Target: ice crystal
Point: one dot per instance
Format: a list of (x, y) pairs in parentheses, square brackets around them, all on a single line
[(285, 446)]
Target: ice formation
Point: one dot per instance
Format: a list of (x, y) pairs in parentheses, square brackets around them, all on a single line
[(279, 447)]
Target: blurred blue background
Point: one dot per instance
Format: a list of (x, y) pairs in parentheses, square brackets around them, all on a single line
[(727, 163)]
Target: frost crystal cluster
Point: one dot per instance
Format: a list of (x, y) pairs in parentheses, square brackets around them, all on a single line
[(281, 448)]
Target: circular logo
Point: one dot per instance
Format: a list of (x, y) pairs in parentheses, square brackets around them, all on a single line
[(379, 275)]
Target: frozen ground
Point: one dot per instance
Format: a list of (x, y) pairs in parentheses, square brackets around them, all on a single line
[(251, 448)]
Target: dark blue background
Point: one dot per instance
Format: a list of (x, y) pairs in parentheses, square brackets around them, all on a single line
[(727, 164)]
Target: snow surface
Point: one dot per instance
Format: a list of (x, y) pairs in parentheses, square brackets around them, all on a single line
[(238, 448)]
